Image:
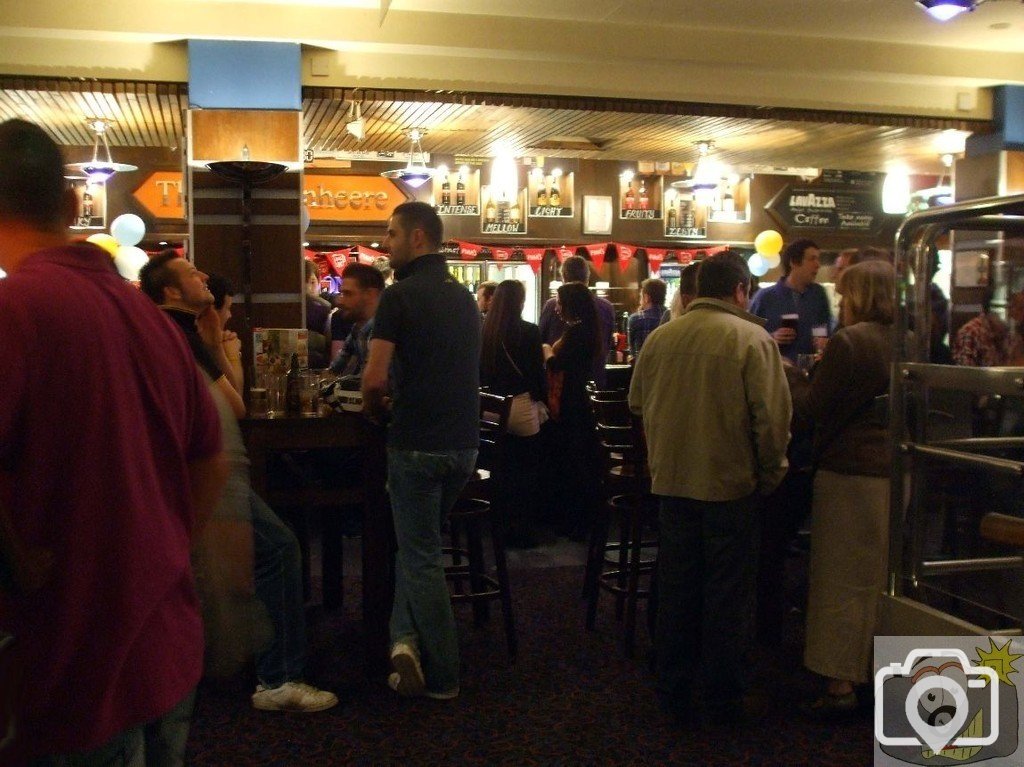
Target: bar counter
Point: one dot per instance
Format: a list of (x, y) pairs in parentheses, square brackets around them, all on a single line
[(266, 436)]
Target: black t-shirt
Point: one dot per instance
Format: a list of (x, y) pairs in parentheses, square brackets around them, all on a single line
[(187, 322), (434, 323)]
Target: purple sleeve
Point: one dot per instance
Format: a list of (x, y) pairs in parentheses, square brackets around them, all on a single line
[(14, 353)]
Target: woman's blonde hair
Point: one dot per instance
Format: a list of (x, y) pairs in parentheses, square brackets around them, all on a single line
[(869, 292)]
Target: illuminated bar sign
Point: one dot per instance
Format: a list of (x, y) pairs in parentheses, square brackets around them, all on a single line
[(350, 198), (161, 194)]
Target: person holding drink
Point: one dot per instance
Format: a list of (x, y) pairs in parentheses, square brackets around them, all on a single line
[(796, 308)]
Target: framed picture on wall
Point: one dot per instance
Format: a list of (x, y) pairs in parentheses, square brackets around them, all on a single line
[(597, 214)]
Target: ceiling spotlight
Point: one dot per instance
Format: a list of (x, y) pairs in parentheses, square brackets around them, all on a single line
[(356, 125), (415, 173), (98, 170), (944, 10)]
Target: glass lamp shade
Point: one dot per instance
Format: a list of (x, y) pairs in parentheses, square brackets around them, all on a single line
[(944, 10)]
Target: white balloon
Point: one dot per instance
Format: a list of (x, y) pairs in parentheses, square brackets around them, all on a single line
[(773, 260), (758, 265), (128, 229), (129, 260), (304, 217)]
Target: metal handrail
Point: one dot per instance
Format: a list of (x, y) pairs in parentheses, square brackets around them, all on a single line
[(914, 244)]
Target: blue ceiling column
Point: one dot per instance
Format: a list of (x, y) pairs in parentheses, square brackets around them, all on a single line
[(1008, 120), (238, 74)]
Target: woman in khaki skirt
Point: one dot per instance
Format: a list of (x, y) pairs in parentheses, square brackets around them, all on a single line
[(850, 518)]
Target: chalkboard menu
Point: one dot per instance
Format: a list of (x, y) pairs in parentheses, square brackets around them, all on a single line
[(832, 208)]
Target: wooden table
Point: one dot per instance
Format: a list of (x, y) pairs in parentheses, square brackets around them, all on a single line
[(266, 436)]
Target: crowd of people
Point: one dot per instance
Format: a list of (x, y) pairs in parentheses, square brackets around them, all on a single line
[(111, 567)]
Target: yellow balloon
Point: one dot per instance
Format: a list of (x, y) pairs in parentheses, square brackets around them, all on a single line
[(105, 241), (768, 243)]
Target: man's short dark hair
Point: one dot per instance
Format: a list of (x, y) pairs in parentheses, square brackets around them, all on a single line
[(420, 215), (156, 275), (688, 279), (368, 277), (655, 289), (487, 288), (32, 180), (221, 288), (794, 253), (575, 269), (721, 273)]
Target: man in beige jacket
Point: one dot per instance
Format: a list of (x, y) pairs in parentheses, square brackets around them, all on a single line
[(716, 411)]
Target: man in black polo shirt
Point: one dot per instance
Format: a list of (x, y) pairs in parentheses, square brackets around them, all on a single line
[(428, 326)]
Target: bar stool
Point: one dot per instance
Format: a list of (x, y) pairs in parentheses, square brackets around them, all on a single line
[(617, 564), (472, 581)]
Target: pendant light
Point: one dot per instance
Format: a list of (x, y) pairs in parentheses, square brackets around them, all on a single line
[(944, 10), (415, 173), (98, 170)]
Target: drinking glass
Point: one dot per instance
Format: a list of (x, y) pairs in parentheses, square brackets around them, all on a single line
[(805, 362), (308, 394)]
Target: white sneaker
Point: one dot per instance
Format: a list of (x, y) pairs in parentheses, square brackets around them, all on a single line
[(293, 696), (408, 678), (395, 683)]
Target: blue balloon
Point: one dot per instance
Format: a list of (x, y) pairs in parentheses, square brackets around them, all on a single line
[(758, 265), (128, 229)]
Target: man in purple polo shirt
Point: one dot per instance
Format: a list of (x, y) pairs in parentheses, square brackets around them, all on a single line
[(110, 460)]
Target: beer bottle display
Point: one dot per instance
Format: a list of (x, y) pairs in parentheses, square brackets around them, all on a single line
[(446, 190), (554, 196), (542, 194), (629, 200), (460, 191), (672, 221), (686, 218), (728, 203), (86, 204), (490, 211), (515, 215), (645, 201)]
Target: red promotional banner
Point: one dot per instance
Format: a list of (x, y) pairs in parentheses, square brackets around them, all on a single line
[(716, 249), (625, 253), (654, 258), (686, 256), (596, 252), (338, 260), (467, 250), (565, 251), (534, 257), (501, 254)]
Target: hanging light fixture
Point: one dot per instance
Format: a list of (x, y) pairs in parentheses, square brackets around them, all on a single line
[(356, 125), (944, 10), (415, 173), (98, 170)]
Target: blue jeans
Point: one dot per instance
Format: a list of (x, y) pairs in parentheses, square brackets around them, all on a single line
[(707, 568), (278, 564), (157, 744), (423, 488)]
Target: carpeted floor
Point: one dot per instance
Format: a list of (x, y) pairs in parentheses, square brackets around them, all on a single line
[(570, 699)]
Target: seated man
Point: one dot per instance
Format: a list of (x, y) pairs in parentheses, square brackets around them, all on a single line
[(360, 293), (180, 290)]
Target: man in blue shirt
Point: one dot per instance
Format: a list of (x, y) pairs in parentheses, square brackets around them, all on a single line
[(795, 294), (361, 289), (652, 306)]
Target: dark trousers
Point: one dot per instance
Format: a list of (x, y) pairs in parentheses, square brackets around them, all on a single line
[(784, 512), (707, 565)]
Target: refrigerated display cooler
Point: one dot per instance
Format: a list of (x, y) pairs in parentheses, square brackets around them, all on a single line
[(472, 273)]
